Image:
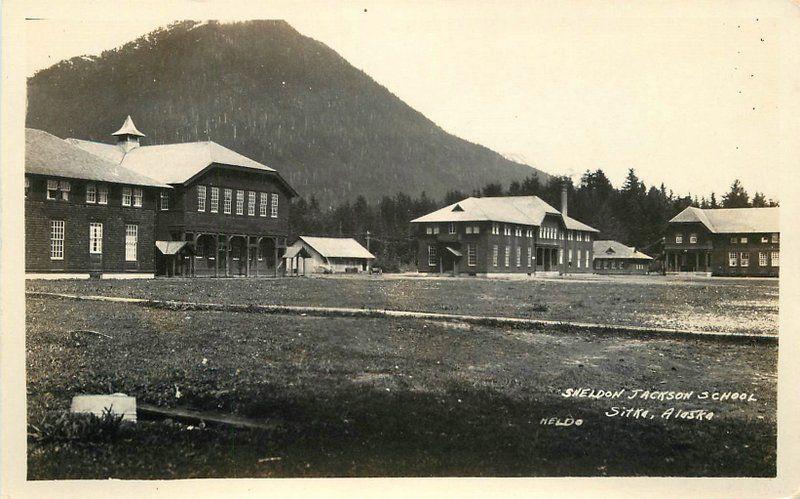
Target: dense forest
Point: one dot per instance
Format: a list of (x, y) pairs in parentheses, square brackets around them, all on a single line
[(632, 214), (270, 93)]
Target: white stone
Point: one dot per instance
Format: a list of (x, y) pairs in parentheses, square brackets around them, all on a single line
[(117, 403)]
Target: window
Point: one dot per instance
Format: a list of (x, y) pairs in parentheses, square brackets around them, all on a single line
[(96, 238), (274, 206), (468, 229), (131, 242), (262, 206), (58, 189), (587, 259), (578, 260), (569, 257), (91, 192), (495, 255), (732, 260), (678, 239), (692, 238), (775, 238), (215, 200), (580, 236), (764, 239), (472, 254), (530, 255), (621, 265), (588, 237), (227, 201), (506, 230), (743, 240), (432, 260), (762, 259), (137, 198), (518, 232), (561, 257), (733, 240), (201, 198), (775, 258), (164, 200), (451, 228), (507, 256), (435, 229), (240, 202), (56, 239), (102, 194), (744, 259), (569, 236), (27, 185), (495, 229), (613, 264), (127, 196), (605, 264), (476, 229), (519, 256), (251, 203), (429, 230)]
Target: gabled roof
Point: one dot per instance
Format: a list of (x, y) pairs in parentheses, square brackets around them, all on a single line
[(46, 154), (616, 250), (175, 163), (731, 220), (337, 247), (573, 224), (523, 210), (128, 128)]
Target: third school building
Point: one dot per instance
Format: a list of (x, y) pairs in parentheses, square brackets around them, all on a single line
[(724, 242), (503, 235)]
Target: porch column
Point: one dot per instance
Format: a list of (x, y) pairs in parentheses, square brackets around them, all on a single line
[(275, 251), (228, 255), (696, 261), (666, 261), (708, 260), (247, 256), (216, 255)]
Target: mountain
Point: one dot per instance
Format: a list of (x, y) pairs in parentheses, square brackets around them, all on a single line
[(263, 89)]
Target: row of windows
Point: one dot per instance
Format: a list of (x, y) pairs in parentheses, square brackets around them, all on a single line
[(57, 237), (268, 202), (517, 230), (613, 265), (775, 238), (95, 193), (737, 259)]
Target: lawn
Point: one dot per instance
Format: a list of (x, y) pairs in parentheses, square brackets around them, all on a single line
[(716, 304), (385, 397)]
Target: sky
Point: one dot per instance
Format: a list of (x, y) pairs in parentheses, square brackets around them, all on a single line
[(693, 95)]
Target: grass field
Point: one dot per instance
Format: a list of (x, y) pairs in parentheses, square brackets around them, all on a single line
[(719, 304), (392, 397)]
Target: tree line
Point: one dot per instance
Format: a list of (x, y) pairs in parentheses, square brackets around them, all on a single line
[(633, 214)]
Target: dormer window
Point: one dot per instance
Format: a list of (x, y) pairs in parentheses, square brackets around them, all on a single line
[(457, 208), (692, 238), (58, 189)]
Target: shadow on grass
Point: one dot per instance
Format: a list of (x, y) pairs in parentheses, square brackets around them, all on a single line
[(364, 430)]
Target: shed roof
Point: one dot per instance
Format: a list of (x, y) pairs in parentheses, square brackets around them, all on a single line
[(46, 154), (170, 247), (616, 250), (731, 220), (524, 210), (337, 247), (175, 163)]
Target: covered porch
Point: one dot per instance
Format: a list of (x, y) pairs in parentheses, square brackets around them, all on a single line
[(221, 255), (546, 258), (691, 260)]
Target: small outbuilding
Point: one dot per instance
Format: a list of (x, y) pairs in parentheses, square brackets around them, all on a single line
[(309, 255), (612, 257)]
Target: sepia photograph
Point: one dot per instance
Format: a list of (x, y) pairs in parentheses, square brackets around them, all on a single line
[(401, 240)]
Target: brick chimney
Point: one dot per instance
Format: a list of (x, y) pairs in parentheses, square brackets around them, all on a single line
[(564, 200)]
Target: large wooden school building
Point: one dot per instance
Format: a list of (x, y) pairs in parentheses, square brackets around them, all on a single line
[(724, 242), (503, 235), (205, 209)]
